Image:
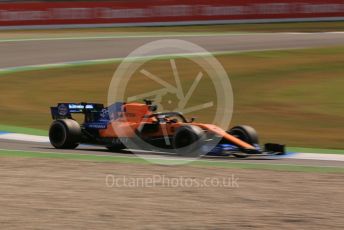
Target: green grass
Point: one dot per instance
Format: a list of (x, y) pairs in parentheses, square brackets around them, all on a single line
[(312, 150), (198, 163), (15, 129), (291, 96)]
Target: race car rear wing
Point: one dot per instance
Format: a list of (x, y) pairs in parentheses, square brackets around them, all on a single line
[(65, 110)]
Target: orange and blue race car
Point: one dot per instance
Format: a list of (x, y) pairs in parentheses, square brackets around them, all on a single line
[(139, 126)]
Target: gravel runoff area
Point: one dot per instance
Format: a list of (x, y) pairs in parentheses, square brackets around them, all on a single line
[(70, 194)]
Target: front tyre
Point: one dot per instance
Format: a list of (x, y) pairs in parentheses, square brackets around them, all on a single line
[(245, 133), (65, 134)]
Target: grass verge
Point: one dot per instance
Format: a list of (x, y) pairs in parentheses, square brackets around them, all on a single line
[(312, 150), (199, 163), (23, 130)]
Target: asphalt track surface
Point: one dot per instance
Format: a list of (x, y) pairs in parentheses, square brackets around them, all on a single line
[(99, 150), (39, 52)]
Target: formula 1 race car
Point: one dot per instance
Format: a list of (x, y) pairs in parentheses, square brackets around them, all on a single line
[(120, 125)]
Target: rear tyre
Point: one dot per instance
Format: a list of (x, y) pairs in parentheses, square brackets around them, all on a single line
[(65, 134), (188, 141), (245, 133)]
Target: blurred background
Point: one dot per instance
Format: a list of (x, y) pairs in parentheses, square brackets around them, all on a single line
[(285, 60)]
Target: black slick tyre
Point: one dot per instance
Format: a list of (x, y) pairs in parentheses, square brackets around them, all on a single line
[(65, 134)]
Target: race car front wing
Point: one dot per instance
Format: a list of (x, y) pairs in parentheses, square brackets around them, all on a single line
[(229, 149)]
